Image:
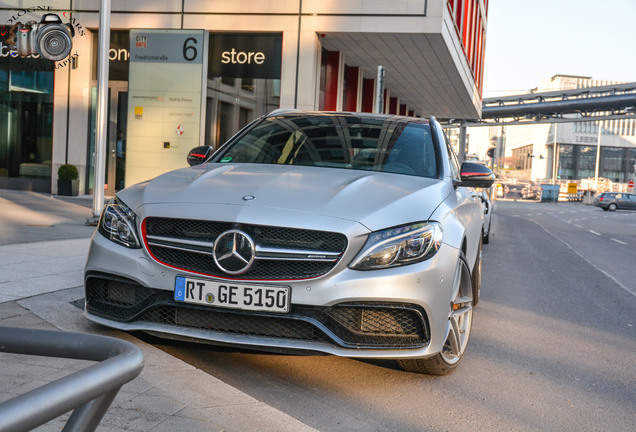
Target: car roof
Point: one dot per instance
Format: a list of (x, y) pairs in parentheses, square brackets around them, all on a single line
[(289, 112)]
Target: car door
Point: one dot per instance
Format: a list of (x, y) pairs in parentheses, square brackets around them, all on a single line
[(630, 202), (469, 209)]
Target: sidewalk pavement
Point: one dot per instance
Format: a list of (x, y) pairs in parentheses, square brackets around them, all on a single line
[(41, 286)]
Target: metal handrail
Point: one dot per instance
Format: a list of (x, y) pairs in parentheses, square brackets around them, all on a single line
[(89, 392)]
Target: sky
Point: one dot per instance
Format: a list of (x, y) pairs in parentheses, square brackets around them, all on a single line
[(528, 40)]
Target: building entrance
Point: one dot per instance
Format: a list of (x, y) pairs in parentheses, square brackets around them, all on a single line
[(116, 137)]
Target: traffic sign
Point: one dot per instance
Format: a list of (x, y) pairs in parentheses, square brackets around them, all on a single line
[(630, 184)]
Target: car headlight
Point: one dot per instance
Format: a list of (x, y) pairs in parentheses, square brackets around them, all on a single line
[(399, 246), (118, 224)]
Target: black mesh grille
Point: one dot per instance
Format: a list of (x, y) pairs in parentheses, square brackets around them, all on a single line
[(263, 236), (367, 325)]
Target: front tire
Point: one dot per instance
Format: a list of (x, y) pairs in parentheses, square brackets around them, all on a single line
[(460, 320)]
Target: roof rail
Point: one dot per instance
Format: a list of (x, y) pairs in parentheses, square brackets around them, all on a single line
[(281, 111)]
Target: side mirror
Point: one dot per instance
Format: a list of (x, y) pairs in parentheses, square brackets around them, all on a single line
[(476, 175), (198, 155)]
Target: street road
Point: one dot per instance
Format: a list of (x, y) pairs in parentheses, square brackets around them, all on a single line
[(553, 346)]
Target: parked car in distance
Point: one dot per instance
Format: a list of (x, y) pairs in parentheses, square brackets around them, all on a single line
[(613, 201), (356, 235)]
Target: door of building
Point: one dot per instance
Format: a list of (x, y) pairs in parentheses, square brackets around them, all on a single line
[(116, 137)]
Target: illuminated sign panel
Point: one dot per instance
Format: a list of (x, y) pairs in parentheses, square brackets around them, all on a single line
[(165, 97), (242, 55)]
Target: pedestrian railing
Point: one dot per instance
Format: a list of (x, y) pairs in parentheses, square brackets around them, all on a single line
[(88, 392)]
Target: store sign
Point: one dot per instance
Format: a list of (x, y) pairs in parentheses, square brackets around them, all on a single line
[(118, 55), (242, 55), (167, 78), (586, 139), (168, 46)]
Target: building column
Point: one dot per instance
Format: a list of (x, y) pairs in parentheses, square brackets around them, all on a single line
[(300, 91)]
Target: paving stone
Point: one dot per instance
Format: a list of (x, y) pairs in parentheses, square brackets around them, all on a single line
[(172, 424), (38, 282), (125, 419)]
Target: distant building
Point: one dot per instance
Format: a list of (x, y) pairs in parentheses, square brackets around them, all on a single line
[(528, 151)]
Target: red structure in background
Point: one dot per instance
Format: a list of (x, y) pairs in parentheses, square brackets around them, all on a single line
[(368, 92), (470, 24), (331, 81), (352, 76)]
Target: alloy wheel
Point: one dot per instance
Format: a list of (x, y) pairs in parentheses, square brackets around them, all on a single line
[(460, 317)]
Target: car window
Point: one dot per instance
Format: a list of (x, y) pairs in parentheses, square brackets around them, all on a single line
[(338, 141), (454, 162)]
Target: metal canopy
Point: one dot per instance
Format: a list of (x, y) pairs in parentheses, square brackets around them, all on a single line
[(420, 70)]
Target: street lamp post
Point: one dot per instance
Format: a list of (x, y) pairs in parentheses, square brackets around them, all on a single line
[(379, 97), (598, 155), (102, 107)]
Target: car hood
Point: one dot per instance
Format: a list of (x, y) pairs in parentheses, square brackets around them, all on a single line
[(376, 200)]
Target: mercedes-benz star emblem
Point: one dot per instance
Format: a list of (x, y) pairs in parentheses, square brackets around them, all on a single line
[(234, 252)]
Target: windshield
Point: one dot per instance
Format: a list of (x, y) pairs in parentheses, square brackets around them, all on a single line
[(338, 141)]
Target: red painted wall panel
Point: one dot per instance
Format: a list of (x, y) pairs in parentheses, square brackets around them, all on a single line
[(331, 81), (351, 92), (393, 105), (368, 89)]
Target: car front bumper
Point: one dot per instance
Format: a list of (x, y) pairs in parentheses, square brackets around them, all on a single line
[(399, 312)]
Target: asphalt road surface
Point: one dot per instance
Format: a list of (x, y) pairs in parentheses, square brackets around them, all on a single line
[(553, 346)]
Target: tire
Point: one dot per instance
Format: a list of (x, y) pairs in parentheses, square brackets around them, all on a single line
[(460, 320), (475, 277), (486, 236), (612, 207)]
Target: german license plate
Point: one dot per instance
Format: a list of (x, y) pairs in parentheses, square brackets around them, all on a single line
[(232, 295)]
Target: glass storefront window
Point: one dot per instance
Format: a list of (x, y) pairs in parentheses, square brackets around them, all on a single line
[(587, 162), (242, 84), (566, 161), (612, 163), (31, 81), (26, 125), (247, 84)]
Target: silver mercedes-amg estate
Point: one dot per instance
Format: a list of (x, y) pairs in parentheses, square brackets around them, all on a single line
[(356, 235)]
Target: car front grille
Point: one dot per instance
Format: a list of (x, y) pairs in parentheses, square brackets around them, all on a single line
[(282, 253), (371, 325)]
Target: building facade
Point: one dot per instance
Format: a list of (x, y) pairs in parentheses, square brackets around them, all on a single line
[(324, 56), (563, 151)]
